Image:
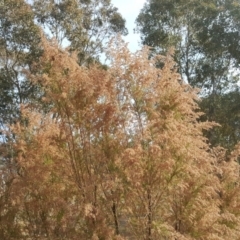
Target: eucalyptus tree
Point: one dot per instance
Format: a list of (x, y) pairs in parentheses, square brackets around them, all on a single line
[(84, 25), (205, 35), (19, 48)]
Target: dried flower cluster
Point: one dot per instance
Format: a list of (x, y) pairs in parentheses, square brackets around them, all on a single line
[(117, 154)]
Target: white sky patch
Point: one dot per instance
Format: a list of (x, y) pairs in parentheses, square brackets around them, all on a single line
[(130, 10)]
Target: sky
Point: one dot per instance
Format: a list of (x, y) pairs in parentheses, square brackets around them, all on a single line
[(130, 10)]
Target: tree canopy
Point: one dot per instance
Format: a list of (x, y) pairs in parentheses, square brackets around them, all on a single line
[(19, 41), (205, 35), (119, 154), (85, 26)]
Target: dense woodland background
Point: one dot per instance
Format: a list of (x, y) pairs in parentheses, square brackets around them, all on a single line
[(144, 146)]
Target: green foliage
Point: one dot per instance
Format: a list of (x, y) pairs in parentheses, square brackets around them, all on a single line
[(226, 111), (19, 47), (87, 25), (204, 34)]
